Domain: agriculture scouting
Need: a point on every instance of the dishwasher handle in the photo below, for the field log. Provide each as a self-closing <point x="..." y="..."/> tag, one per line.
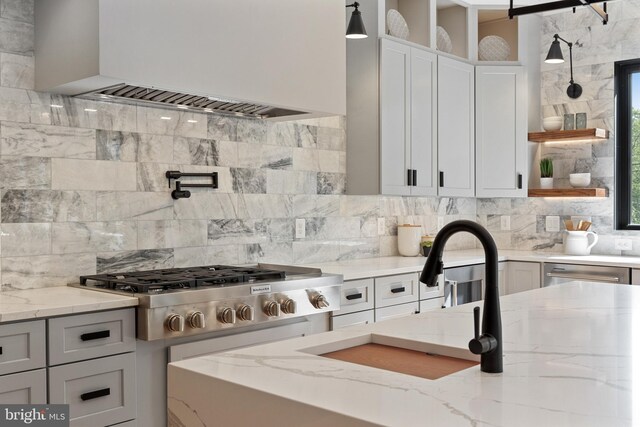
<point x="585" y="277"/>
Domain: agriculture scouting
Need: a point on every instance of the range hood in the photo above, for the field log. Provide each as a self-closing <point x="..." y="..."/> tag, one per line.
<point x="280" y="59"/>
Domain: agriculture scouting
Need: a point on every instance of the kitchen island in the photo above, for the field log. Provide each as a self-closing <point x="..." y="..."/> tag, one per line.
<point x="571" y="357"/>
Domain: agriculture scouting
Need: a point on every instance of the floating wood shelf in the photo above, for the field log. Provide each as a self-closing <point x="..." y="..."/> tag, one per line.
<point x="593" y="134"/>
<point x="568" y="192"/>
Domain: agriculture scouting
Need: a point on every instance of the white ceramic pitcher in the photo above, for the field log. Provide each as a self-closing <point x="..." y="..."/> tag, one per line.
<point x="577" y="242"/>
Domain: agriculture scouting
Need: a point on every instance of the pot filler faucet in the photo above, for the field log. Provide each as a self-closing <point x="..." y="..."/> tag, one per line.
<point x="489" y="344"/>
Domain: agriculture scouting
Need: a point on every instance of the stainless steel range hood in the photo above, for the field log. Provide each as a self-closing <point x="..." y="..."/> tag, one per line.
<point x="279" y="59"/>
<point x="139" y="95"/>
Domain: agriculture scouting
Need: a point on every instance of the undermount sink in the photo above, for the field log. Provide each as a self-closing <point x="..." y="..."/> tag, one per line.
<point x="424" y="360"/>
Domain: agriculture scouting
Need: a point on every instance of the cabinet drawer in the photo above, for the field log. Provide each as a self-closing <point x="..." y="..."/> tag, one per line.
<point x="356" y="295"/>
<point x="435" y="292"/>
<point x="392" y="312"/>
<point x="88" y="336"/>
<point x="393" y="290"/>
<point x="353" y="319"/>
<point x="25" y="388"/>
<point x="431" y="304"/>
<point x="22" y="346"/>
<point x="99" y="392"/>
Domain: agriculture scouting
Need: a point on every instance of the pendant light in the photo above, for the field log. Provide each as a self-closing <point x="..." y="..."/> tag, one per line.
<point x="355" y="29"/>
<point x="555" y="57"/>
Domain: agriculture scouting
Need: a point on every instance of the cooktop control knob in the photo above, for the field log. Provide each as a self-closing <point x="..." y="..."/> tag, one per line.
<point x="288" y="306"/>
<point x="245" y="312"/>
<point x="175" y="323"/>
<point x="227" y="315"/>
<point x="319" y="301"/>
<point x="196" y="320"/>
<point x="272" y="309"/>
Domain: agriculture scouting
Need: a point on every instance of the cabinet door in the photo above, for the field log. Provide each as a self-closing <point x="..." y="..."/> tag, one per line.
<point x="456" y="128"/>
<point x="395" y="311"/>
<point x="397" y="289"/>
<point x="395" y="82"/>
<point x="25" y="388"/>
<point x="501" y="134"/>
<point x="354" y="319"/>
<point x="522" y="276"/>
<point x="424" y="89"/>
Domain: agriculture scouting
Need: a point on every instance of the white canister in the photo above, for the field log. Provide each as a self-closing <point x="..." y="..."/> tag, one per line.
<point x="409" y="239"/>
<point x="577" y="242"/>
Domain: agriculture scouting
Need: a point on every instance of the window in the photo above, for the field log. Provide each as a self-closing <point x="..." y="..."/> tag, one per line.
<point x="627" y="83"/>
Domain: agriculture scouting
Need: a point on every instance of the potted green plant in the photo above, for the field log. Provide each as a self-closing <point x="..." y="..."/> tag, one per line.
<point x="426" y="246"/>
<point x="546" y="173"/>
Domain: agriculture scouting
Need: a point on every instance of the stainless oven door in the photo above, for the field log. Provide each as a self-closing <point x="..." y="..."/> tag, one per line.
<point x="463" y="285"/>
<point x="555" y="274"/>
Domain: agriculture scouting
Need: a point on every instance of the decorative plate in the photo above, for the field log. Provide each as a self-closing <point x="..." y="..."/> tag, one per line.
<point x="443" y="41"/>
<point x="397" y="25"/>
<point x="493" y="48"/>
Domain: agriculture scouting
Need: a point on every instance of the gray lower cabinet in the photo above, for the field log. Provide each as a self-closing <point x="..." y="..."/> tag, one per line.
<point x="86" y="336"/>
<point x="99" y="392"/>
<point x="22" y="346"/>
<point x="91" y="365"/>
<point x="24" y="388"/>
<point x="23" y="379"/>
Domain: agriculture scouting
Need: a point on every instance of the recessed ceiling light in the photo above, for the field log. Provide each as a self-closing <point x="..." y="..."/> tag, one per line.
<point x="192" y="121"/>
<point x="183" y="107"/>
<point x="105" y="96"/>
<point x="208" y="110"/>
<point x="165" y="118"/>
<point x="56" y="106"/>
<point x="90" y="110"/>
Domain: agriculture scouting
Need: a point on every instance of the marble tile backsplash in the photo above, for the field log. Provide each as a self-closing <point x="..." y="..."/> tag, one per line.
<point x="83" y="190"/>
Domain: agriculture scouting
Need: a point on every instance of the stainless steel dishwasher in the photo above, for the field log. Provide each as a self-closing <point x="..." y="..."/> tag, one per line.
<point x="555" y="274"/>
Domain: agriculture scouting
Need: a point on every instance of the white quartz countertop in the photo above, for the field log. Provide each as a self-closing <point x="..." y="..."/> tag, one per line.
<point x="385" y="266"/>
<point x="571" y="358"/>
<point x="56" y="301"/>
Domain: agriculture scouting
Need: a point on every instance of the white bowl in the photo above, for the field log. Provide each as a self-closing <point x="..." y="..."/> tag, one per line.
<point x="580" y="179"/>
<point x="552" y="123"/>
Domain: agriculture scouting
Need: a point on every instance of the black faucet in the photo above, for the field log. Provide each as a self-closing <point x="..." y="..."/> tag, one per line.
<point x="489" y="344"/>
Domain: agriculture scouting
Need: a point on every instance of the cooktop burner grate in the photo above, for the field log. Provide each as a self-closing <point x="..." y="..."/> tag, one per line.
<point x="178" y="279"/>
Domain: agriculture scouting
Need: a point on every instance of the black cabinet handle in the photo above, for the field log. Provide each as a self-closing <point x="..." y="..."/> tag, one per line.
<point x="95" y="335"/>
<point x="0" y="350"/>
<point x="95" y="394"/>
<point x="354" y="296"/>
<point x="519" y="181"/>
<point x="441" y="179"/>
<point x="397" y="290"/>
<point x="409" y="178"/>
<point x="415" y="178"/>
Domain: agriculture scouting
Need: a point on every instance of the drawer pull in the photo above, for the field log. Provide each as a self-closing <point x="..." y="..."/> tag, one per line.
<point x="354" y="296"/>
<point x="95" y="394"/>
<point x="397" y="290"/>
<point x="95" y="335"/>
<point x="0" y="350"/>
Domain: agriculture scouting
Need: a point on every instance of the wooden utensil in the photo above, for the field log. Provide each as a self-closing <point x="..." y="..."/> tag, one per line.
<point x="568" y="224"/>
<point x="585" y="225"/>
<point x="580" y="225"/>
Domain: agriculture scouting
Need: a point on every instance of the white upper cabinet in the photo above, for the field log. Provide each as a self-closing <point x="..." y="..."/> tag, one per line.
<point x="395" y="107"/>
<point x="424" y="135"/>
<point x="408" y="90"/>
<point x="456" y="117"/>
<point x="501" y="131"/>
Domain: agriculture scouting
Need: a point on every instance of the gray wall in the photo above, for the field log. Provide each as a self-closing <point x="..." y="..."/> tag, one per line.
<point x="83" y="191"/>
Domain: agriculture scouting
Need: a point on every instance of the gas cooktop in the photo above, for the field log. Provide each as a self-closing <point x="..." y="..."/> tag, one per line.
<point x="179" y="279"/>
<point x="179" y="302"/>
